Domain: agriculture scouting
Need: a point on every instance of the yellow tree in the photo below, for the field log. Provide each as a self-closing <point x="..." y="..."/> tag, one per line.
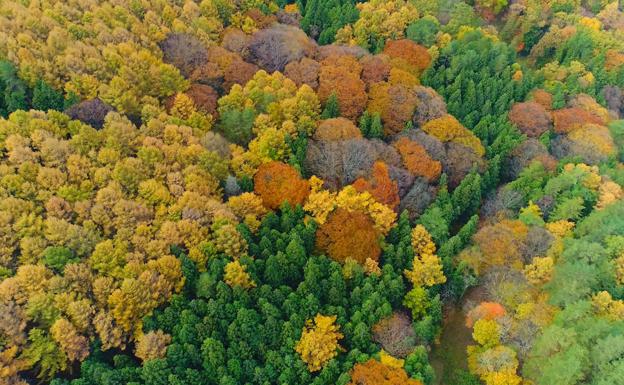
<point x="426" y="266"/>
<point x="319" y="341"/>
<point x="235" y="275"/>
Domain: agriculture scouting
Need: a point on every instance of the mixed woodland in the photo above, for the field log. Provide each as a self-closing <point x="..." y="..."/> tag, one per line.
<point x="294" y="192"/>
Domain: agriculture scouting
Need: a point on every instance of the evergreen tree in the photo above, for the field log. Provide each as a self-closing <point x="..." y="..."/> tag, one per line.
<point x="332" y="107"/>
<point x="365" y="123"/>
<point x="46" y="98"/>
<point x="376" y="128"/>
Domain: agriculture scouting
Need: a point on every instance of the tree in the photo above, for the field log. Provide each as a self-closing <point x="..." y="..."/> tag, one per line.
<point x="346" y="85"/>
<point x="92" y="112"/>
<point x="46" y="98"/>
<point x="426" y="267"/>
<point x="336" y="129"/>
<point x="568" y="119"/>
<point x="349" y="234"/>
<point x="531" y="118"/>
<point x="319" y="342"/>
<point x="45" y="354"/>
<point x="418" y="302"/>
<point x="448" y="129"/>
<point x="395" y="103"/>
<point x="416" y="159"/>
<point x="152" y="345"/>
<point x="186" y="52"/>
<point x="373" y="372"/>
<point x="235" y="275"/>
<point x="276" y="182"/>
<point x="380" y="186"/>
<point x="75" y="346"/>
<point x="378" y="22"/>
<point x="423" y="31"/>
<point x="408" y="55"/>
<point x="332" y="108"/>
<point x="273" y="48"/>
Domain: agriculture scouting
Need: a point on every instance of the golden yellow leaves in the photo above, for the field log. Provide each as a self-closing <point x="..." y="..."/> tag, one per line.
<point x="319" y="341"/>
<point x="235" y="275"/>
<point x="426" y="266"/>
<point x="322" y="202"/>
<point x="540" y="270"/>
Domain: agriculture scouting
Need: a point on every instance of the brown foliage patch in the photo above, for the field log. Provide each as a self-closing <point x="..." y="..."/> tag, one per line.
<point x="395" y="334"/>
<point x="531" y="118"/>
<point x="570" y="119"/>
<point x="337" y="129"/>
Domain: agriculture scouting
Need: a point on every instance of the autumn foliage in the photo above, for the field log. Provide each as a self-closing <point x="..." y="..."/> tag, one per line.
<point x="416" y="159"/>
<point x="449" y="129"/>
<point x="346" y="84"/>
<point x="373" y="372"/>
<point x="531" y="118"/>
<point x="380" y="186"/>
<point x="336" y="129"/>
<point x="408" y="55"/>
<point x="349" y="234"/>
<point x="276" y="183"/>
<point x="568" y="119"/>
<point x="319" y="341"/>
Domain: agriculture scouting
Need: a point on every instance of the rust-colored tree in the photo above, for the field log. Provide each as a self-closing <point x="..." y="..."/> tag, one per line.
<point x="373" y="372"/>
<point x="569" y="119"/>
<point x="380" y="186"/>
<point x="408" y="55"/>
<point x="277" y="183"/>
<point x="348" y="87"/>
<point x="349" y="234"/>
<point x="531" y="118"/>
<point x="416" y="159"/>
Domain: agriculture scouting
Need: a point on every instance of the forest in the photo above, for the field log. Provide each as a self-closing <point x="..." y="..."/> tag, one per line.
<point x="312" y="192"/>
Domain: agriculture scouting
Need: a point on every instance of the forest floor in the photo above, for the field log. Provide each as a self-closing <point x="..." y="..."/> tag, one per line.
<point x="448" y="357"/>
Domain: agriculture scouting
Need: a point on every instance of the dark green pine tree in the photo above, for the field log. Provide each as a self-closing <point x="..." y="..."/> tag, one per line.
<point x="46" y="98"/>
<point x="332" y="107"/>
<point x="13" y="89"/>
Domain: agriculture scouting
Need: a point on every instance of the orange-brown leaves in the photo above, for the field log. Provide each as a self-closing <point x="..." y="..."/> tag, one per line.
<point x="304" y="71"/>
<point x="349" y="234"/>
<point x="395" y="104"/>
<point x="485" y="310"/>
<point x="416" y="159"/>
<point x="380" y="186"/>
<point x="569" y="119"/>
<point x="375" y="68"/>
<point x="343" y="79"/>
<point x="531" y="118"/>
<point x="543" y="98"/>
<point x="373" y="372"/>
<point x="277" y="182"/>
<point x="337" y="129"/>
<point x="408" y="55"/>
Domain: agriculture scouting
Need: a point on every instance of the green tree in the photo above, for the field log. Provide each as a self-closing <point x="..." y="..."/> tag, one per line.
<point x="332" y="107"/>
